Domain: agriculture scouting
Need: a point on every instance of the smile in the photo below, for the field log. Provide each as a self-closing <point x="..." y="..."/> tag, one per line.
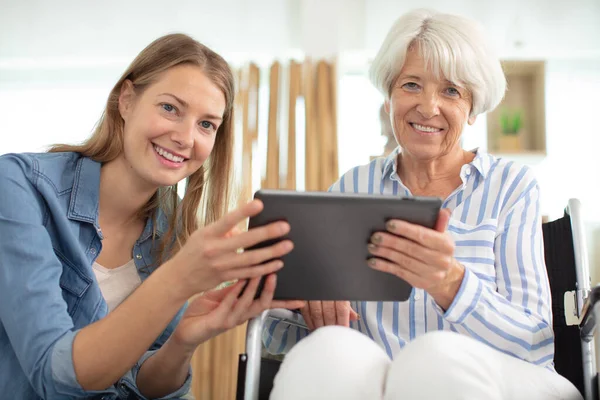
<point x="169" y="156"/>
<point x="426" y="130"/>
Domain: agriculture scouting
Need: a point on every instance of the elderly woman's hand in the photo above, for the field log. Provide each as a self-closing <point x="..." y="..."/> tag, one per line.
<point x="322" y="313"/>
<point x="421" y="256"/>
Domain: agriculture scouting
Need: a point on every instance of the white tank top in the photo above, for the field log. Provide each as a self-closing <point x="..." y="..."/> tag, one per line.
<point x="117" y="284"/>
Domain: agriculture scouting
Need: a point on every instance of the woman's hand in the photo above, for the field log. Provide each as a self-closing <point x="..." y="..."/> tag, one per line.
<point x="213" y="255"/>
<point x="217" y="311"/>
<point x="422" y="257"/>
<point x="322" y="313"/>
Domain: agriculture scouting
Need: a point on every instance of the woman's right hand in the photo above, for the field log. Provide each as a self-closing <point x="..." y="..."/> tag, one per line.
<point x="322" y="313"/>
<point x="212" y="254"/>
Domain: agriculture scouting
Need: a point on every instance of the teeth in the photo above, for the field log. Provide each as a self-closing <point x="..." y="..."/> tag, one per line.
<point x="425" y="128"/>
<point x="168" y="155"/>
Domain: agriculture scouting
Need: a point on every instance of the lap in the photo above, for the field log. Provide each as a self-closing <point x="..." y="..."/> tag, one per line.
<point x="335" y="362"/>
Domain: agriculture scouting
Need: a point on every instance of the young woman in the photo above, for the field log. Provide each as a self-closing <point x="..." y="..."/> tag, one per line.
<point x="99" y="256"/>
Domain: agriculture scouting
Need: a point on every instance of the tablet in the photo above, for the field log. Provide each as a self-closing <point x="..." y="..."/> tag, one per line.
<point x="330" y="232"/>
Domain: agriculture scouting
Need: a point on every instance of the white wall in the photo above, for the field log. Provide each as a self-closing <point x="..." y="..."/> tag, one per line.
<point x="59" y="59"/>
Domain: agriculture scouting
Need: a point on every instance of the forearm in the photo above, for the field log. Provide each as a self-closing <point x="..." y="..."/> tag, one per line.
<point x="489" y="317"/>
<point x="165" y="372"/>
<point x="105" y="350"/>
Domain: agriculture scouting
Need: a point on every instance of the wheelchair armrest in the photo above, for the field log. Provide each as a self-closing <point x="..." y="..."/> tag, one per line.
<point x="591" y="312"/>
<point x="288" y="316"/>
<point x="254" y="345"/>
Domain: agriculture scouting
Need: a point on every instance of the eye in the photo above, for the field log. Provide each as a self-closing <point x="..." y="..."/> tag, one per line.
<point x="452" y="91"/>
<point x="208" y="125"/>
<point x="410" y="86"/>
<point x="170" y="108"/>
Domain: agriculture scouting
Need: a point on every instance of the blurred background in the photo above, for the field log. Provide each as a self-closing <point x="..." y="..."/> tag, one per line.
<point x="306" y="111"/>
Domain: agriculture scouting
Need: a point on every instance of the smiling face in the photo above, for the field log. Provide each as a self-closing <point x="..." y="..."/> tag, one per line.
<point x="171" y="126"/>
<point x="428" y="114"/>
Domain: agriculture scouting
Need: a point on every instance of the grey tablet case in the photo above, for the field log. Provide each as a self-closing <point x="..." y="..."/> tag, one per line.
<point x="330" y="232"/>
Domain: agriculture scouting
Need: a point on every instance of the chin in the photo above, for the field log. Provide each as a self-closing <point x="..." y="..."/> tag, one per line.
<point x="162" y="181"/>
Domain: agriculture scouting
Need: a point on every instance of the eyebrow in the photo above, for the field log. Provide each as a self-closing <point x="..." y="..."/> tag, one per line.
<point x="413" y="77"/>
<point x="186" y="105"/>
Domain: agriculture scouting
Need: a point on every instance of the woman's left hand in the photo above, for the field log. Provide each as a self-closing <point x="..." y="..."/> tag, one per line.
<point x="421" y="256"/>
<point x="217" y="311"/>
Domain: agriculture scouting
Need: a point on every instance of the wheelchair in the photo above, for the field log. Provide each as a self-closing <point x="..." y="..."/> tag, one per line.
<point x="575" y="309"/>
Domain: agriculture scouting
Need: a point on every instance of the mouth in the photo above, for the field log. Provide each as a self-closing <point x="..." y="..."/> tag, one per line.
<point x="426" y="130"/>
<point x="168" y="158"/>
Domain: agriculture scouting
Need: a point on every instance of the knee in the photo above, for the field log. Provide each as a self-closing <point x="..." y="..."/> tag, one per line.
<point x="441" y="361"/>
<point x="333" y="343"/>
<point x="441" y="346"/>
<point x="333" y="362"/>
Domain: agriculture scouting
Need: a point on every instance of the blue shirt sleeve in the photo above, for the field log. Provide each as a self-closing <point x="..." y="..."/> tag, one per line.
<point x="32" y="309"/>
<point x="33" y="312"/>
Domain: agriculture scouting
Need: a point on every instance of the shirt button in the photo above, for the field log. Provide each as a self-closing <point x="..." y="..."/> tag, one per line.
<point x="417" y="297"/>
<point x="93" y="251"/>
<point x="468" y="170"/>
<point x="138" y="256"/>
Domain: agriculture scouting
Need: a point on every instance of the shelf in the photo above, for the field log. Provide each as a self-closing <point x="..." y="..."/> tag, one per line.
<point x="525" y="97"/>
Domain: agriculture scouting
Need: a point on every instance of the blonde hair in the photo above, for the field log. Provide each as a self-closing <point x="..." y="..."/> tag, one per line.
<point x="450" y="44"/>
<point x="209" y="187"/>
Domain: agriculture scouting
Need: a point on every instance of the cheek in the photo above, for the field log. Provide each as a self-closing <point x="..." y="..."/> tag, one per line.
<point x="203" y="146"/>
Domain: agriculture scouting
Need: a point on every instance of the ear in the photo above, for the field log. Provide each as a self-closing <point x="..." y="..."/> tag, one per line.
<point x="386" y="105"/>
<point x="472" y="119"/>
<point x="126" y="99"/>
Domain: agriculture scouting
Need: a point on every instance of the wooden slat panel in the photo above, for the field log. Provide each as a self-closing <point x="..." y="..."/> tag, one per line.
<point x="334" y="136"/>
<point x="271" y="180"/>
<point x="311" y="117"/>
<point x="215" y="365"/>
<point x="324" y="124"/>
<point x="249" y="105"/>
<point x="294" y="91"/>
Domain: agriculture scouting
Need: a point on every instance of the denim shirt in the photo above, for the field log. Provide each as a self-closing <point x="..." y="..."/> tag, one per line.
<point x="49" y="239"/>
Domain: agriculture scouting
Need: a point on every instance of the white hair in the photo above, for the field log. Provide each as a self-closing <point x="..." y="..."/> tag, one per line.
<point x="452" y="44"/>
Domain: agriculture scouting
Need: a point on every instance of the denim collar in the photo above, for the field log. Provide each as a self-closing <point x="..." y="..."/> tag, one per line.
<point x="85" y="198"/>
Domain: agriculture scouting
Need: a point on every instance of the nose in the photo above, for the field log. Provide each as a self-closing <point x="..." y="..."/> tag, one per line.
<point x="428" y="105"/>
<point x="183" y="135"/>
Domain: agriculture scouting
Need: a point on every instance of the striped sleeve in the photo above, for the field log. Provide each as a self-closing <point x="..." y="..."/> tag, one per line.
<point x="516" y="318"/>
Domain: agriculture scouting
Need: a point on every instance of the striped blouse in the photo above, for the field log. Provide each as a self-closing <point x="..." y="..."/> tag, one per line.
<point x="504" y="298"/>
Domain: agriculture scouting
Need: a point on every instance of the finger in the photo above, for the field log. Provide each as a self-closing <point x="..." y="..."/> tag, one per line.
<point x="402" y="260"/>
<point x="224" y="309"/>
<point x="305" y="311"/>
<point x="316" y="313"/>
<point x="200" y="306"/>
<point x="390" y="244"/>
<point x="393" y="269"/>
<point x="234" y="232"/>
<point x="354" y="315"/>
<point x="329" y="313"/>
<point x="342" y="311"/>
<point x="253" y="257"/>
<point x="266" y="297"/>
<point x="419" y="234"/>
<point x="233" y="218"/>
<point x="253" y="271"/>
<point x="443" y="219"/>
<point x="219" y="294"/>
<point x="288" y="304"/>
<point x="244" y="303"/>
<point x="258" y="235"/>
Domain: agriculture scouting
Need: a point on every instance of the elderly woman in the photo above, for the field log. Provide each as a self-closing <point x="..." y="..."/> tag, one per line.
<point x="478" y="324"/>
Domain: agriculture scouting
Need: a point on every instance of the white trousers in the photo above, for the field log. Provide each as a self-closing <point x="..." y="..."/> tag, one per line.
<point x="340" y="363"/>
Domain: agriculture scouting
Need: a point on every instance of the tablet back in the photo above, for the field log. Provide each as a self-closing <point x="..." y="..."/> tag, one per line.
<point x="330" y="232"/>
